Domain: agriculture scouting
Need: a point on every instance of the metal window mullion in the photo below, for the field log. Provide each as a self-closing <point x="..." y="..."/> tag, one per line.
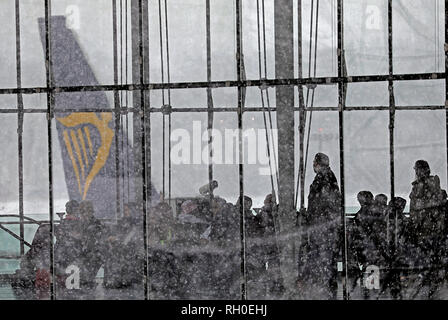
<point x="147" y="97"/>
<point x="117" y="113"/>
<point x="19" y="126"/>
<point x="391" y="101"/>
<point x="446" y="78"/>
<point x="232" y="83"/>
<point x="169" y="96"/>
<point x="232" y="109"/>
<point x="302" y="110"/>
<point x="143" y="150"/>
<point x="240" y="143"/>
<point x="391" y="118"/>
<point x="341" y="94"/>
<point x="15" y="236"/>
<point x="49" y="91"/>
<point x="209" y="94"/>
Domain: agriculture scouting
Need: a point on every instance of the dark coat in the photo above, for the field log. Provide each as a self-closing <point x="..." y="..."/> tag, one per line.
<point x="324" y="199"/>
<point x="427" y="218"/>
<point x="38" y="256"/>
<point x="68" y="247"/>
<point x="124" y="253"/>
<point x="355" y="239"/>
<point x="373" y="234"/>
<point x="321" y="223"/>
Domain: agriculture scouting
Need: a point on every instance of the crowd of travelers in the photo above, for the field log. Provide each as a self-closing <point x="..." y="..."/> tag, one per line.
<point x="194" y="250"/>
<point x="194" y="245"/>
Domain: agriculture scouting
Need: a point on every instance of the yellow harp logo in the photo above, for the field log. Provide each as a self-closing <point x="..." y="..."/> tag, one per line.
<point x="82" y="134"/>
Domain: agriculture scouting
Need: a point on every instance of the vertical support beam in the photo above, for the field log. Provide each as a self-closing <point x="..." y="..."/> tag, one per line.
<point x="284" y="69"/>
<point x="142" y="65"/>
<point x="141" y="120"/>
<point x="19" y="126"/>
<point x="168" y="75"/>
<point x="341" y="98"/>
<point x="116" y="107"/>
<point x="391" y="116"/>
<point x="209" y="94"/>
<point x="302" y="112"/>
<point x="146" y="98"/>
<point x="136" y="74"/>
<point x="391" y="100"/>
<point x="50" y="114"/>
<point x="239" y="69"/>
<point x="446" y="77"/>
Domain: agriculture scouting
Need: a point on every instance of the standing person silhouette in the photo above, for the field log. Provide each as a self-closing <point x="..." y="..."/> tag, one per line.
<point x="321" y="223"/>
<point x="427" y="221"/>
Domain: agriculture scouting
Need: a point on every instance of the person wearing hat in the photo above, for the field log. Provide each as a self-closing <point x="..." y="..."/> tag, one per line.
<point x="321" y="222"/>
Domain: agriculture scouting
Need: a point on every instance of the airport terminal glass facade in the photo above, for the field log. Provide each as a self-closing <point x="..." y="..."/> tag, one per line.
<point x="153" y="118"/>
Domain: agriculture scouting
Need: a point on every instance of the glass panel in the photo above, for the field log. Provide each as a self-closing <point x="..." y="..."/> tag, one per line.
<point x="194" y="237"/>
<point x="35" y="101"/>
<point x="9" y="168"/>
<point x="261" y="185"/>
<point x="421" y="135"/>
<point x="250" y="38"/>
<point x="8" y="48"/>
<point x="80" y="45"/>
<point x="324" y="137"/>
<point x="201" y="226"/>
<point x="319" y="256"/>
<point x="187" y="41"/>
<point x="225" y="231"/>
<point x="225" y="97"/>
<point x="325" y="61"/>
<point x="367" y="94"/>
<point x="418" y="36"/>
<point x="32" y="51"/>
<point x="324" y="96"/>
<point x="222" y="34"/>
<point x="225" y="168"/>
<point x="99" y="252"/>
<point x="366" y="154"/>
<point x="8" y="101"/>
<point x="10" y="233"/>
<point x="35" y="173"/>
<point x="180" y="98"/>
<point x="367" y="181"/>
<point x="420" y="93"/>
<point x="365" y="37"/>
